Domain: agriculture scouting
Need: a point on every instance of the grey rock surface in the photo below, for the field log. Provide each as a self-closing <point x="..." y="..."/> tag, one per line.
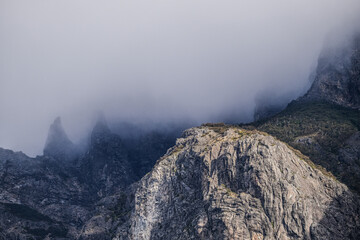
<point x="82" y="196"/>
<point x="39" y="198"/>
<point x="106" y="165"/>
<point x="239" y="184"/>
<point x="337" y="78"/>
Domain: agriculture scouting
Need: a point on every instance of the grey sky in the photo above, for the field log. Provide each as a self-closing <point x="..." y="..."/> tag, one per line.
<point x="155" y="60"/>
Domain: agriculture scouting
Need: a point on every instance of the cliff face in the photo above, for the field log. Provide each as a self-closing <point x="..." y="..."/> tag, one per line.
<point x="39" y="197"/>
<point x="217" y="182"/>
<point x="239" y="184"/>
<point x="60" y="195"/>
<point x="336" y="81"/>
<point x="106" y="166"/>
<point x="337" y="78"/>
<point x="324" y="124"/>
<point x="325" y="132"/>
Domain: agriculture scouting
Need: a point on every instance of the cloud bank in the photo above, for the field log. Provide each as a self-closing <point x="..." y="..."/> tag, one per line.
<point x="157" y="60"/>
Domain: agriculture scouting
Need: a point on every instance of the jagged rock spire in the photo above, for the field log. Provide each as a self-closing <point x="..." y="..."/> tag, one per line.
<point x="101" y="129"/>
<point x="58" y="145"/>
<point x="101" y="124"/>
<point x="106" y="163"/>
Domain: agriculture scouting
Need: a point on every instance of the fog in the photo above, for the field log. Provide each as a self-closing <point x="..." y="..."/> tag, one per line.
<point x="154" y="61"/>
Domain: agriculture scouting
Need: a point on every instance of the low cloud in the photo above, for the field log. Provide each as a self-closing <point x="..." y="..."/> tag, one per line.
<point x="159" y="61"/>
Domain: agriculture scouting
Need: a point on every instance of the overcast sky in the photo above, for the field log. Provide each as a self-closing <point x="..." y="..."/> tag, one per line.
<point x="154" y="60"/>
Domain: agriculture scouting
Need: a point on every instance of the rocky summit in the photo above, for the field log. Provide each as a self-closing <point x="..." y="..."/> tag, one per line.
<point x="58" y="145"/>
<point x="230" y="183"/>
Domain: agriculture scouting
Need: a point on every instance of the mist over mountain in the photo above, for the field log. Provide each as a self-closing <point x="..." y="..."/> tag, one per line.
<point x="155" y="61"/>
<point x="179" y="120"/>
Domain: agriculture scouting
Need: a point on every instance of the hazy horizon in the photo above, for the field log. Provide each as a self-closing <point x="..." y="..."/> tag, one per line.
<point x="156" y="61"/>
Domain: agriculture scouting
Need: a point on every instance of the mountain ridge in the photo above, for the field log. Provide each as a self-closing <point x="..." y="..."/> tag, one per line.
<point x="207" y="184"/>
<point x="282" y="177"/>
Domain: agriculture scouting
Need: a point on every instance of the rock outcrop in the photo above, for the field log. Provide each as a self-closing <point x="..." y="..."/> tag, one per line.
<point x="58" y="145"/>
<point x="106" y="166"/>
<point x="337" y="77"/>
<point x="62" y="195"/>
<point x="39" y="197"/>
<point x="325" y="132"/>
<point x="219" y="183"/>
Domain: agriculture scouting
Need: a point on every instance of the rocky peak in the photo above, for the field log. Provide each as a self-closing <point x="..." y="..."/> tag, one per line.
<point x="106" y="165"/>
<point x="337" y="78"/>
<point x="58" y="145"/>
<point x="229" y="183"/>
<point x="101" y="131"/>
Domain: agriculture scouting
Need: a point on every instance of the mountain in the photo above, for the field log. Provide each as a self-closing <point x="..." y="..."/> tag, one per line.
<point x="106" y="166"/>
<point x="324" y="124"/>
<point x="39" y="197"/>
<point x="58" y="145"/>
<point x="337" y="78"/>
<point x="226" y="182"/>
<point x="327" y="133"/>
<point x="336" y="81"/>
<point x="292" y="175"/>
<point x="222" y="182"/>
<point x="55" y="195"/>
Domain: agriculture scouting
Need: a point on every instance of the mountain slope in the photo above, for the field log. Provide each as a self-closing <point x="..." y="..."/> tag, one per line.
<point x="229" y="183"/>
<point x="324" y="124"/>
<point x="325" y="132"/>
<point x="337" y="77"/>
<point x="106" y="166"/>
<point x="335" y="81"/>
<point x="38" y="198"/>
<point x="58" y="195"/>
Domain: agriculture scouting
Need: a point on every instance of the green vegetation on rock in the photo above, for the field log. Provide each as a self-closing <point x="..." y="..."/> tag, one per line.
<point x="319" y="130"/>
